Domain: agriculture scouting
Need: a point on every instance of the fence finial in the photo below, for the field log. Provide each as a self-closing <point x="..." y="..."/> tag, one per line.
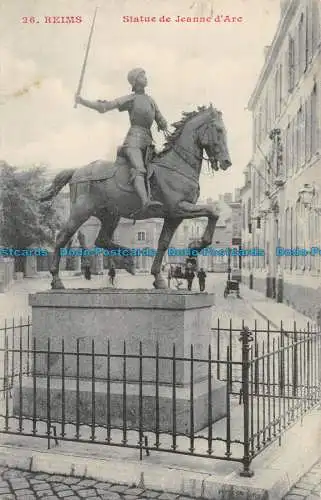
<point x="246" y="335"/>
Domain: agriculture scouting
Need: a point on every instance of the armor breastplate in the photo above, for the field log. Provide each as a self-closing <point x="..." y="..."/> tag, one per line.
<point x="142" y="113"/>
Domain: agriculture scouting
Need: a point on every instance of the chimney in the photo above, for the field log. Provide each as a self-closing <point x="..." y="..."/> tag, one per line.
<point x="237" y="194"/>
<point x="283" y="6"/>
<point x="227" y="197"/>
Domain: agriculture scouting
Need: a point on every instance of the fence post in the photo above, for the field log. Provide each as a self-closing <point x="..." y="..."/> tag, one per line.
<point x="246" y="337"/>
<point x="295" y="362"/>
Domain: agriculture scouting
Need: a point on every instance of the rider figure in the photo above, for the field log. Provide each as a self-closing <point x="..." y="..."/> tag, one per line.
<point x="142" y="111"/>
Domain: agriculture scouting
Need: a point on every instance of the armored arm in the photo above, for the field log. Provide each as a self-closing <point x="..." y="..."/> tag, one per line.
<point x="104" y="106"/>
<point x="100" y="106"/>
<point x="159" y="119"/>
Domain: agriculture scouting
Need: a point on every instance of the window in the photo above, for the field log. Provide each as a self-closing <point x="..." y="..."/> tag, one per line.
<point x="296" y="236"/>
<point x="308" y="129"/>
<point x="297" y="73"/>
<point x="243" y="217"/>
<point x="141" y="236"/>
<point x="291" y="67"/>
<point x="297" y="140"/>
<point x="291" y="237"/>
<point x="286" y="163"/>
<point x="301" y="46"/>
<point x="276" y="93"/>
<point x="308" y="36"/>
<point x="292" y="145"/>
<point x="280" y="87"/>
<point x="286" y="235"/>
<point x="249" y="215"/>
<point x="268" y="112"/>
<point x="254" y="133"/>
<point x="266" y="115"/>
<point x="302" y="136"/>
<point x="317" y="223"/>
<point x="315" y="25"/>
<point x="254" y="188"/>
<point x="314" y="121"/>
<point x="260" y="126"/>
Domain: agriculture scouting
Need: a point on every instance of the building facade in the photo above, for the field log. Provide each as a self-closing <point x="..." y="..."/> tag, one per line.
<point x="285" y="167"/>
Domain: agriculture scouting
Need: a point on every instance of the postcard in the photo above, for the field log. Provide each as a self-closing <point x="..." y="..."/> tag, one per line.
<point x="160" y="214"/>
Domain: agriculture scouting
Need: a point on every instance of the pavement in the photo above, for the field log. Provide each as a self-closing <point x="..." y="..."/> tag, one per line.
<point x="252" y="308"/>
<point x="20" y="485"/>
<point x="277" y="314"/>
<point x="309" y="486"/>
<point x="14" y="302"/>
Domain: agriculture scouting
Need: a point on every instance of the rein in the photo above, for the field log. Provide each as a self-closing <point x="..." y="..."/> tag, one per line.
<point x="184" y="154"/>
<point x="189" y="177"/>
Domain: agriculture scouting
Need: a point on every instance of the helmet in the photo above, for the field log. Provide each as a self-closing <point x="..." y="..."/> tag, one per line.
<point x="133" y="74"/>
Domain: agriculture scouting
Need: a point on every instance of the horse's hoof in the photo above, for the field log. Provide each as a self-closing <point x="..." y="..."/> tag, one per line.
<point x="160" y="284"/>
<point x="57" y="285"/>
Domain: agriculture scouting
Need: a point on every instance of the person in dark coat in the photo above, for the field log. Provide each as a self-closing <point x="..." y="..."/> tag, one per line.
<point x="189" y="275"/>
<point x="169" y="276"/>
<point x="201" y="279"/>
<point x="87" y="271"/>
<point x="112" y="274"/>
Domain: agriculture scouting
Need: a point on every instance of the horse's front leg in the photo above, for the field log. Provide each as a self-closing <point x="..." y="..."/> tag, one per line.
<point x="61" y="241"/>
<point x="189" y="211"/>
<point x="169" y="227"/>
<point x="79" y="214"/>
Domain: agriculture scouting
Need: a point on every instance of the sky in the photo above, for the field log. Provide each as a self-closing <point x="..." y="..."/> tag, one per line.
<point x="187" y="65"/>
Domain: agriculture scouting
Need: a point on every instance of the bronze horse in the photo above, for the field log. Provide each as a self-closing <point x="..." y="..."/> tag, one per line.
<point x="101" y="189"/>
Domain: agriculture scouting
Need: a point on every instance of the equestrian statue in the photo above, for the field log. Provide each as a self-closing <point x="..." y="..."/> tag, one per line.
<point x="142" y="184"/>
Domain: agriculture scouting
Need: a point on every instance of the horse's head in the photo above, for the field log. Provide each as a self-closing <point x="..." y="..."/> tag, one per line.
<point x="202" y="129"/>
<point x="212" y="138"/>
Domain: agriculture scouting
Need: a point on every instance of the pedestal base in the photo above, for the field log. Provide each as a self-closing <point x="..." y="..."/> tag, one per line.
<point x="114" y="407"/>
<point x="142" y="340"/>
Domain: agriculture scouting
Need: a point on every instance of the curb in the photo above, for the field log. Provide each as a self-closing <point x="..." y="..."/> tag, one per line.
<point x="167" y="479"/>
<point x="263" y="316"/>
<point x="276" y="470"/>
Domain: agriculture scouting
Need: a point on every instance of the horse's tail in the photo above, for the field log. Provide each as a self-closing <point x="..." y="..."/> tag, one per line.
<point x="57" y="184"/>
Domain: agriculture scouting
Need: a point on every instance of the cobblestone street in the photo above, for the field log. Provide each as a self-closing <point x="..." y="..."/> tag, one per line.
<point x="15" y="484"/>
<point x="309" y="486"/>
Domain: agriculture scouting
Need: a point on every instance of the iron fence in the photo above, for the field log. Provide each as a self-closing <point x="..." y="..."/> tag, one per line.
<point x="230" y="403"/>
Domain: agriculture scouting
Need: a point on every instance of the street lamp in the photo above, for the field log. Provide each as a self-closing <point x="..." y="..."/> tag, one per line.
<point x="265" y="206"/>
<point x="306" y="196"/>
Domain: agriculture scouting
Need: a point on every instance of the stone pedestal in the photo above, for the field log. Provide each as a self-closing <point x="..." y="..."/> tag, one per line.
<point x="146" y="326"/>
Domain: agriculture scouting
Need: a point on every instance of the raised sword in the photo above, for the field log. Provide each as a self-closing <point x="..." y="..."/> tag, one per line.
<point x="83" y="69"/>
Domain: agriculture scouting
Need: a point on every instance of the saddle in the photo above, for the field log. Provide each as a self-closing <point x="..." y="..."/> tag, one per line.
<point x="100" y="170"/>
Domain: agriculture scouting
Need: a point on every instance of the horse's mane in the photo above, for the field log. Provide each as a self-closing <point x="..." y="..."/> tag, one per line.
<point x="172" y="138"/>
